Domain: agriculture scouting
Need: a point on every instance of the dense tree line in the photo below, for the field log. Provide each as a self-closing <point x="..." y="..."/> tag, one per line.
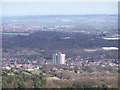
<point x="22" y="80"/>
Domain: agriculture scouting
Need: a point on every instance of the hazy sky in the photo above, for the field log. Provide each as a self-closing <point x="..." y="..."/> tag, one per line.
<point x="58" y="8"/>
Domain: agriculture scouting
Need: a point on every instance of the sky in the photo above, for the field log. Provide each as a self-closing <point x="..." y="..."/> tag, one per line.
<point x="58" y="8"/>
<point x="59" y="0"/>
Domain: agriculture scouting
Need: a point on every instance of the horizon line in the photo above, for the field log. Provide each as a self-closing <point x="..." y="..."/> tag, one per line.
<point x="56" y="15"/>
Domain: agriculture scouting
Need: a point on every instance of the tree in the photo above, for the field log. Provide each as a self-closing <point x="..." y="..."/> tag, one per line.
<point x="18" y="82"/>
<point x="38" y="81"/>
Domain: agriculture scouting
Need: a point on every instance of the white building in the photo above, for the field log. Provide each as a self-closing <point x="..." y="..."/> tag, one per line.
<point x="59" y="58"/>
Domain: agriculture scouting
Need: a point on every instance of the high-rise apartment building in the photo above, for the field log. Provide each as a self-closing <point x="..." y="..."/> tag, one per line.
<point x="59" y="58"/>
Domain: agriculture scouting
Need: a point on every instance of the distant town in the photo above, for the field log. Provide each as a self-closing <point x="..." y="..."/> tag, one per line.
<point x="58" y="59"/>
<point x="59" y="52"/>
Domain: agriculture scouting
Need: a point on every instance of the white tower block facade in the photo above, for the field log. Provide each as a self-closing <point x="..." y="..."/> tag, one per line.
<point x="62" y="59"/>
<point x="59" y="58"/>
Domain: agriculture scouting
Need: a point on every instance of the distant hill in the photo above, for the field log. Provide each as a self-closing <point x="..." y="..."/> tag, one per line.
<point x="45" y="43"/>
<point x="50" y="40"/>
